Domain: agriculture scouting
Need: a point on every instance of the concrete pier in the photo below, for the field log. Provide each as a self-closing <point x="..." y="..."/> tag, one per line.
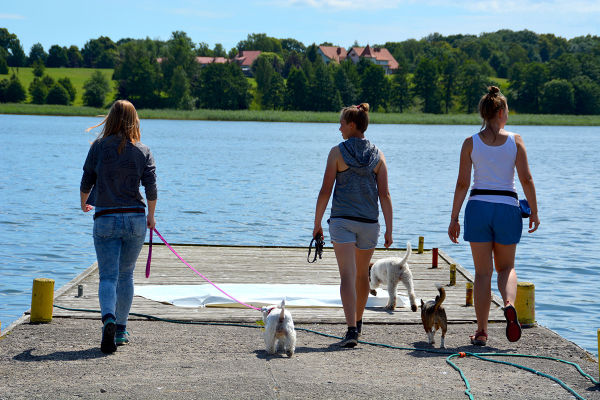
<point x="198" y="360"/>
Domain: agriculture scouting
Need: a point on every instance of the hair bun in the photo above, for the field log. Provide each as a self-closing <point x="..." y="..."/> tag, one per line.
<point x="492" y="90"/>
<point x="363" y="106"/>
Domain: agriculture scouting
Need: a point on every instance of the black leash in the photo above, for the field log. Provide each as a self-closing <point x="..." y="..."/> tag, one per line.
<point x="319" y="243"/>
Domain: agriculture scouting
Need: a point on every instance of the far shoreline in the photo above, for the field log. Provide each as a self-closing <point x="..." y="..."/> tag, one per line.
<point x="407" y="118"/>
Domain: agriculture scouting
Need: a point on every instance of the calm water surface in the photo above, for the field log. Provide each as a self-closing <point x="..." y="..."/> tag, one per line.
<point x="249" y="183"/>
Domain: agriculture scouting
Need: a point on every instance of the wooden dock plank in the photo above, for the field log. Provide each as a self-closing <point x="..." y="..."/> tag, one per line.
<point x="245" y="264"/>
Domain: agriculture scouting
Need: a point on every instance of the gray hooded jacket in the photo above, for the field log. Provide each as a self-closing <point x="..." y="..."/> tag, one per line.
<point x="355" y="195"/>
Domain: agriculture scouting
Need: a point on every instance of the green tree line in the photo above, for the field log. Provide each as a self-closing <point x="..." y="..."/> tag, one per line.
<point x="540" y="73"/>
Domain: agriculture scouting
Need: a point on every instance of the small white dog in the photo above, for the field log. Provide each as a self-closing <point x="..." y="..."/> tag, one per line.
<point x="279" y="329"/>
<point x="390" y="271"/>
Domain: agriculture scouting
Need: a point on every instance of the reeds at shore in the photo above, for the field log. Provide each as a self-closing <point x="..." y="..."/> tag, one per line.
<point x="302" y="116"/>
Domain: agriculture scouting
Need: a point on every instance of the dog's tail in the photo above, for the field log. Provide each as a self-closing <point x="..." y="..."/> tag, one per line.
<point x="282" y="313"/>
<point x="439" y="299"/>
<point x="408" y="251"/>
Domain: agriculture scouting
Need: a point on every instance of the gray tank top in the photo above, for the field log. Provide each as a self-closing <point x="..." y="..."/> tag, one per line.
<point x="355" y="195"/>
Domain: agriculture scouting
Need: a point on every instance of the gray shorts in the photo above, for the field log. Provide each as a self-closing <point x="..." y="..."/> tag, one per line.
<point x="364" y="234"/>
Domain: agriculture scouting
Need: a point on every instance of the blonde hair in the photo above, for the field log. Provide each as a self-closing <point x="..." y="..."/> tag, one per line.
<point x="490" y="104"/>
<point x="358" y="114"/>
<point x="122" y="120"/>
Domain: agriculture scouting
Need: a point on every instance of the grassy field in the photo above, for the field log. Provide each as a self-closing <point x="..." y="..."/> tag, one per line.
<point x="77" y="76"/>
<point x="304" y="116"/>
<point x="502" y="82"/>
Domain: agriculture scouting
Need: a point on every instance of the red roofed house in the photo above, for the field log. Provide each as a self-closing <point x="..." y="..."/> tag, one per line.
<point x="380" y="56"/>
<point x="332" y="53"/>
<point x="203" y="61"/>
<point x="245" y="58"/>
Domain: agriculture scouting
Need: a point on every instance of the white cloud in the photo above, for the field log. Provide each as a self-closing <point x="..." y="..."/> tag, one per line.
<point x="345" y="4"/>
<point x="486" y="6"/>
<point x="11" y="16"/>
<point x="540" y="6"/>
<point x="192" y="12"/>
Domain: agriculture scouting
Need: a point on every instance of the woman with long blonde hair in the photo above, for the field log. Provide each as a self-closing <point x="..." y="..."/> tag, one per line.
<point x="116" y="164"/>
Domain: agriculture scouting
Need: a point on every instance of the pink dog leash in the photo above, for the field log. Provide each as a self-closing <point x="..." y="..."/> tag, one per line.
<point x="190" y="267"/>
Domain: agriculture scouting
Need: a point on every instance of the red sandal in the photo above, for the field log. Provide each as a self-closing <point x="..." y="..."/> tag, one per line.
<point x="513" y="328"/>
<point x="479" y="334"/>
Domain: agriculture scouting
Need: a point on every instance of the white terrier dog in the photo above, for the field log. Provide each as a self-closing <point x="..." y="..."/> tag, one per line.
<point x="390" y="271"/>
<point x="279" y="329"/>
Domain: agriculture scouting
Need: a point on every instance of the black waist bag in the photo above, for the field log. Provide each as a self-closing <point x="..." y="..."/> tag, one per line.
<point x="523" y="204"/>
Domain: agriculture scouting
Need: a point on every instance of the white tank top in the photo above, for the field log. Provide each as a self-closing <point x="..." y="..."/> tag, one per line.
<point x="494" y="168"/>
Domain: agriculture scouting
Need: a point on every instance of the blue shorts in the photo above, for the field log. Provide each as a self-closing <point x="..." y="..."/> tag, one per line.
<point x="364" y="234"/>
<point x="492" y="222"/>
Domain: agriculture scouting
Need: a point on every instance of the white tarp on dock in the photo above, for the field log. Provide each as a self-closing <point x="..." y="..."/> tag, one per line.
<point x="296" y="295"/>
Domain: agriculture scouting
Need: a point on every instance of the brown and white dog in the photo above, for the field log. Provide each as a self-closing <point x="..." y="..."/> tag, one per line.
<point x="433" y="316"/>
<point x="390" y="271"/>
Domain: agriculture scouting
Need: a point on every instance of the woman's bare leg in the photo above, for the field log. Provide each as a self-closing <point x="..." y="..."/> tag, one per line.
<point x="346" y="260"/>
<point x="363" y="258"/>
<point x="504" y="261"/>
<point x="482" y="258"/>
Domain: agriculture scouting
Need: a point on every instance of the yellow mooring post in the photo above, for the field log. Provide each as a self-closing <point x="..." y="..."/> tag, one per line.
<point x="525" y="304"/>
<point x="452" y="274"/>
<point x="421" y="243"/>
<point x="42" y="297"/>
<point x="469" y="294"/>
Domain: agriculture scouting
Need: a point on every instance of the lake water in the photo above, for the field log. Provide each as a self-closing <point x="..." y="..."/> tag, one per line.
<point x="249" y="183"/>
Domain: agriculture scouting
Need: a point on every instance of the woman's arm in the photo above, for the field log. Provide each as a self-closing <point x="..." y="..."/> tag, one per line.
<point x="150" y="222"/>
<point x="385" y="199"/>
<point x="88" y="179"/>
<point x="148" y="178"/>
<point x="527" y="183"/>
<point x="326" y="188"/>
<point x="462" y="187"/>
<point x="83" y="200"/>
<point x="149" y="182"/>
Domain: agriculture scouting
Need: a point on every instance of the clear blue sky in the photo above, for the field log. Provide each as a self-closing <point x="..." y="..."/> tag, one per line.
<point x="340" y="22"/>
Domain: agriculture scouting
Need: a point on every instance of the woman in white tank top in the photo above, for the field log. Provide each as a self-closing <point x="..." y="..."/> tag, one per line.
<point x="492" y="218"/>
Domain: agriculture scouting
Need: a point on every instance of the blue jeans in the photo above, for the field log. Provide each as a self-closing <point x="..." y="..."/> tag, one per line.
<point x="118" y="239"/>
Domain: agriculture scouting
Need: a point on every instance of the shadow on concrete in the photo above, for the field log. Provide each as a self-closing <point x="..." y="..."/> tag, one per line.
<point x="595" y="388"/>
<point x="88" y="354"/>
<point x="263" y="355"/>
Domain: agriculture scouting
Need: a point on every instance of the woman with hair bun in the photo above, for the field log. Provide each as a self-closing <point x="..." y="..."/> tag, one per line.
<point x="116" y="164"/>
<point x="359" y="172"/>
<point x="492" y="219"/>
